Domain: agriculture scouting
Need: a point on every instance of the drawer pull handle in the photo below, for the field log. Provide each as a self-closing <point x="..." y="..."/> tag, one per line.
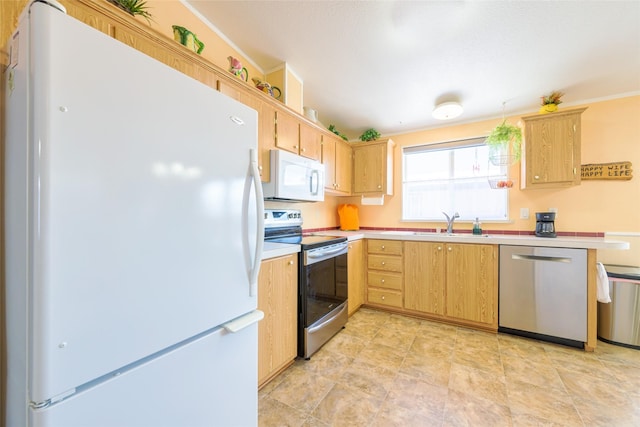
<point x="382" y="298"/>
<point x="382" y="247"/>
<point x="381" y="280"/>
<point x="383" y="263"/>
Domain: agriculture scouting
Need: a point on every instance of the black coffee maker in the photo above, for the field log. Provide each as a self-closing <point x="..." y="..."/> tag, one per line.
<point x="545" y="226"/>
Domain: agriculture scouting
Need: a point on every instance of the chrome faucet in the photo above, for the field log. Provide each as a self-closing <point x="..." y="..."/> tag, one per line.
<point x="450" y="221"/>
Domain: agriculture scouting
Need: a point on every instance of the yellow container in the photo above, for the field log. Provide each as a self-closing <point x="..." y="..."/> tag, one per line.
<point x="348" y="217"/>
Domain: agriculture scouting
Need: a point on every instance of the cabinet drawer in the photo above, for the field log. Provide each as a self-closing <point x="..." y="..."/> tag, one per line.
<point x="384" y="297"/>
<point x="385" y="263"/>
<point x="384" y="280"/>
<point x="392" y="247"/>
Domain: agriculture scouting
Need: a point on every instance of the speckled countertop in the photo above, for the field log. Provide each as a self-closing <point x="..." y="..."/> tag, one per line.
<point x="492" y="239"/>
<point x="272" y="250"/>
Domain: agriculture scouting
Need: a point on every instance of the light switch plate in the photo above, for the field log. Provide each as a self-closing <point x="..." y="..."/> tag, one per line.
<point x="524" y="213"/>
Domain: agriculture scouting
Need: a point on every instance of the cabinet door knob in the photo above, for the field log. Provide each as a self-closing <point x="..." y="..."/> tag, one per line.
<point x="295" y="146"/>
<point x="379" y="186"/>
<point x="536" y="177"/>
<point x="381" y="280"/>
<point x="303" y="149"/>
<point x="291" y="262"/>
<point x="382" y="297"/>
<point x="382" y="247"/>
<point x="382" y="263"/>
<point x="450" y="248"/>
<point x="439" y="248"/>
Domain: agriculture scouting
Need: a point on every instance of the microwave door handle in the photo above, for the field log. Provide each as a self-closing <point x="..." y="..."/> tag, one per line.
<point x="317" y="181"/>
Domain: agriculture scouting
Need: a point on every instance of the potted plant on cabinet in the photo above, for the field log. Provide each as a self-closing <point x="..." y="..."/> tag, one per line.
<point x="370" y="135"/>
<point x="133" y="7"/>
<point x="550" y="102"/>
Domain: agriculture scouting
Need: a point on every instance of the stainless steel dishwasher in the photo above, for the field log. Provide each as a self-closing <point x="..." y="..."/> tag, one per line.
<point x="543" y="293"/>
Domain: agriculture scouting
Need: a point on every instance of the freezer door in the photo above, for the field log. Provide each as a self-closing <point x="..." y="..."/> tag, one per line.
<point x="182" y="388"/>
<point x="143" y="212"/>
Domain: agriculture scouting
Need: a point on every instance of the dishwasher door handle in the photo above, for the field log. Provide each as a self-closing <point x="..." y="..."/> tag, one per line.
<point x="541" y="258"/>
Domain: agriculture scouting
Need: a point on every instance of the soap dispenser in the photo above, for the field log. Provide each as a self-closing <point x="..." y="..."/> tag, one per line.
<point x="476" y="227"/>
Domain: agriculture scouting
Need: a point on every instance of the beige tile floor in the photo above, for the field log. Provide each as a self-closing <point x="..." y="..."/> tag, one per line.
<point x="391" y="370"/>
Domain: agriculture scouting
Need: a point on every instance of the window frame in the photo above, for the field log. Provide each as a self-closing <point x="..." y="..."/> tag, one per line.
<point x="504" y="170"/>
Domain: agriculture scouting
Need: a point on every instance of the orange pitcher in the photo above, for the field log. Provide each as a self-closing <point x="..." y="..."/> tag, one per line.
<point x="348" y="217"/>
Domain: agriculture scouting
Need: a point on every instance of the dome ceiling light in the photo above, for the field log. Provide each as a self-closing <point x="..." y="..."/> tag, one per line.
<point x="447" y="110"/>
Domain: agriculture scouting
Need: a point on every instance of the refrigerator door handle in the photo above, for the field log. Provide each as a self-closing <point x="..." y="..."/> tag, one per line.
<point x="255" y="174"/>
<point x="242" y="322"/>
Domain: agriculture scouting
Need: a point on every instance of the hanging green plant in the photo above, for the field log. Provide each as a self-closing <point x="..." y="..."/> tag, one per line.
<point x="370" y="135"/>
<point x="133" y="7"/>
<point x="505" y="140"/>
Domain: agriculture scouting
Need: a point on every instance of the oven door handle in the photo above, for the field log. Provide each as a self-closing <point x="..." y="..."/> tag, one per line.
<point x="329" y="320"/>
<point x="319" y="254"/>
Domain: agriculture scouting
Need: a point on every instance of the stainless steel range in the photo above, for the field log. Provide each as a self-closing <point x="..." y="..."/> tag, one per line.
<point x="322" y="279"/>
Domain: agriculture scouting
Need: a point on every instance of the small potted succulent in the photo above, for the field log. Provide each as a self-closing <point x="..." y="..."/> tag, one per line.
<point x="550" y="102"/>
<point x="370" y="135"/>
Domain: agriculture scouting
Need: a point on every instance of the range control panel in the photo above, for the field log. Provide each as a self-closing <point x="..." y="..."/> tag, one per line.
<point x="282" y="217"/>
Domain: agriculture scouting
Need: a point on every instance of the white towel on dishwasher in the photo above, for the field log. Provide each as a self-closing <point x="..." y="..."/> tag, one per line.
<point x="603" y="284"/>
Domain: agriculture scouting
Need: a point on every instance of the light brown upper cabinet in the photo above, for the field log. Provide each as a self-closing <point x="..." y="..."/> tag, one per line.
<point x="551" y="155"/>
<point x="373" y="167"/>
<point x="310" y="142"/>
<point x="336" y="157"/>
<point x="297" y="137"/>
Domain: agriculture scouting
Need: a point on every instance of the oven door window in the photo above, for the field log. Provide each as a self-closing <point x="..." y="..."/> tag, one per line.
<point x="325" y="287"/>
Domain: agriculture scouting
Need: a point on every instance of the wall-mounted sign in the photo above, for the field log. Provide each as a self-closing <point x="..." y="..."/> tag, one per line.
<point x="616" y="170"/>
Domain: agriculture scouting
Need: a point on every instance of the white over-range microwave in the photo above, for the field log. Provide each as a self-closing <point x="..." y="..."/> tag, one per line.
<point x="294" y="178"/>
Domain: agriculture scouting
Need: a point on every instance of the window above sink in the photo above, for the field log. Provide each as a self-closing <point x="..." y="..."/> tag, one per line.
<point x="452" y="176"/>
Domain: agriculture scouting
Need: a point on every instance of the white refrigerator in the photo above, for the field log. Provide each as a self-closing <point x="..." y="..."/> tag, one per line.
<point x="133" y="237"/>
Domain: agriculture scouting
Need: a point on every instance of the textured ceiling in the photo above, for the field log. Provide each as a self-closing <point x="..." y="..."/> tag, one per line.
<point x="385" y="64"/>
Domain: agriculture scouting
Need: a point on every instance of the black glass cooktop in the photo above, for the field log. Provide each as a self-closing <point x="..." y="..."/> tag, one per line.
<point x="307" y="242"/>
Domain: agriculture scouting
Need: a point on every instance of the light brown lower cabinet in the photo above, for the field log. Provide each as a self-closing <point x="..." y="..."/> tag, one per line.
<point x="384" y="273"/>
<point x="455" y="282"/>
<point x="472" y="283"/>
<point x="355" y="272"/>
<point x="277" y="332"/>
<point x="424" y="277"/>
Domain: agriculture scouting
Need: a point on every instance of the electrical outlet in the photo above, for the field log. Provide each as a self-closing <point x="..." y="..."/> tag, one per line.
<point x="524" y="213"/>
